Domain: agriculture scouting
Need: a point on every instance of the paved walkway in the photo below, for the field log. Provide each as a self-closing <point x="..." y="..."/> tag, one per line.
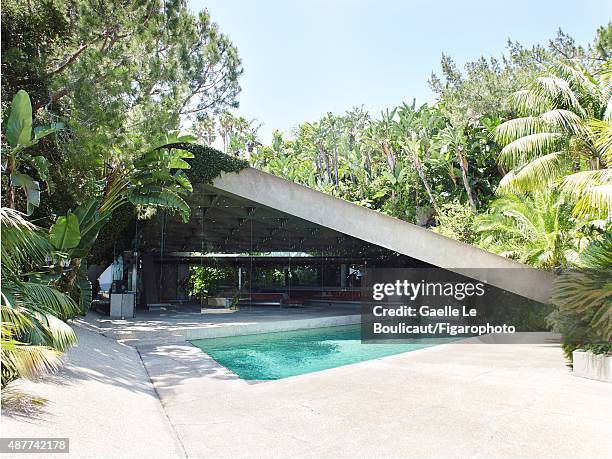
<point x="454" y="400"/>
<point x="102" y="400"/>
<point x="188" y="323"/>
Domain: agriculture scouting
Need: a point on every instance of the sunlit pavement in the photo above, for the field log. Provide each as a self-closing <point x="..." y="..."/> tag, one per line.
<point x="453" y="400"/>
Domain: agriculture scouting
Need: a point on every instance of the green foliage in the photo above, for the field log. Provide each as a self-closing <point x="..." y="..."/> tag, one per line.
<point x="585" y="295"/>
<point x="553" y="144"/>
<point x="154" y="179"/>
<point x="583" y="301"/>
<point x="204" y="280"/>
<point x="208" y="163"/>
<point x="118" y="74"/>
<point x="402" y="163"/>
<point x="33" y="313"/>
<point x="456" y="220"/>
<point x="238" y="135"/>
<point x="19" y="124"/>
<point x="534" y="229"/>
<point x="65" y="233"/>
<point x="483" y="88"/>
<point x="18" y="134"/>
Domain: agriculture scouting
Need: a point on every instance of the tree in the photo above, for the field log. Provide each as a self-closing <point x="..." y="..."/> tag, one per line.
<point x="142" y="53"/>
<point x="483" y="89"/>
<point x="553" y="142"/>
<point x="453" y="139"/>
<point x="118" y="73"/>
<point x="33" y="313"/>
<point x="587" y="293"/>
<point x="153" y="179"/>
<point x="534" y="229"/>
<point x="205" y="129"/>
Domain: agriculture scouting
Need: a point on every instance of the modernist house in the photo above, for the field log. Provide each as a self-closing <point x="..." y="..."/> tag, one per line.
<point x="285" y="244"/>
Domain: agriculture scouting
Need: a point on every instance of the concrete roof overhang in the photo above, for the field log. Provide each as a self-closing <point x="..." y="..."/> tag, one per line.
<point x="253" y="211"/>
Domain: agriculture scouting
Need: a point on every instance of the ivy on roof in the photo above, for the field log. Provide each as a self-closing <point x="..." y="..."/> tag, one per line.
<point x="208" y="163"/>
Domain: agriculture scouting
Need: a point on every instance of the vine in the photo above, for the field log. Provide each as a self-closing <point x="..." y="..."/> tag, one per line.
<point x="209" y="163"/>
<point x="206" y="165"/>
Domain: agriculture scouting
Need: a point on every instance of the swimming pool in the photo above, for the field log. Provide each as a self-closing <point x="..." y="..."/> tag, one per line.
<point x="282" y="354"/>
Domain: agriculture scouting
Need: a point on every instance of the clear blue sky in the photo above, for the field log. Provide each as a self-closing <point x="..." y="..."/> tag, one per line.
<point x="305" y="58"/>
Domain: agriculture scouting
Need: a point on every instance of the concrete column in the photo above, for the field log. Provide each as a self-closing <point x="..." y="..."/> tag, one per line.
<point x="343" y="275"/>
<point x="183" y="273"/>
<point x="149" y="293"/>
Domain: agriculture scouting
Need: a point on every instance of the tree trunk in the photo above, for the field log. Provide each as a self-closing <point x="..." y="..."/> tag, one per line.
<point x="11" y="189"/>
<point x="336" y="178"/>
<point x="325" y="159"/>
<point x="419" y="168"/>
<point x="463" y="164"/>
<point x="11" y="196"/>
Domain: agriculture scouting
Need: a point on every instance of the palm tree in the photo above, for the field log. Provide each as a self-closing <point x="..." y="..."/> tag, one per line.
<point x="562" y="137"/>
<point x="33" y="314"/>
<point x="533" y="229"/>
<point x="584" y="297"/>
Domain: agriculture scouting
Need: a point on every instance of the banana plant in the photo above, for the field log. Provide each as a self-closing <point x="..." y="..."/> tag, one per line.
<point x="453" y="139"/>
<point x="155" y="179"/>
<point x="20" y="136"/>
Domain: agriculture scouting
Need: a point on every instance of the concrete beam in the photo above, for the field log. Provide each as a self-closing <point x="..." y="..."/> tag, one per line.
<point x="384" y="231"/>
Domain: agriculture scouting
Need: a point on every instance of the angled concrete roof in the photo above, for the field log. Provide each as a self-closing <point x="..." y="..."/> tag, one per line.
<point x="256" y="211"/>
<point x="382" y="230"/>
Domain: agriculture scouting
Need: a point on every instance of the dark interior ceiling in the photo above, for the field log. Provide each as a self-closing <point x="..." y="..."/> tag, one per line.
<point x="224" y="223"/>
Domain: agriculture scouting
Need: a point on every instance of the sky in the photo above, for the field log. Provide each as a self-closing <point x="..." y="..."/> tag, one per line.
<point x="305" y="58"/>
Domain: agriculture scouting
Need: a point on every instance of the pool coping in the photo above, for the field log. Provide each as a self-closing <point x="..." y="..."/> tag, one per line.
<point x="238" y="329"/>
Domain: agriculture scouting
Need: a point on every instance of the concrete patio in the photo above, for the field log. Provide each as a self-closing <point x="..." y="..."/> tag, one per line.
<point x="186" y="322"/>
<point x="452" y="400"/>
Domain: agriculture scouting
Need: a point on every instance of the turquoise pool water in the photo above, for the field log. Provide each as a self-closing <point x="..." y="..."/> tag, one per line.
<point x="283" y="354"/>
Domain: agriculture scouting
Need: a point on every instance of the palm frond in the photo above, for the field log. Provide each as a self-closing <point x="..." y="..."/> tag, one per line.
<point x="14" y="318"/>
<point x="608" y="111"/>
<point x="516" y="128"/>
<point x="22" y="242"/>
<point x="48" y="330"/>
<point x="602" y="131"/>
<point x="529" y="147"/>
<point x="27" y="361"/>
<point x="536" y="175"/>
<point x="577" y="76"/>
<point x="529" y="103"/>
<point x="588" y="293"/>
<point x="598" y="255"/>
<point x="565" y="121"/>
<point x="47" y="300"/>
<point x="592" y="191"/>
<point x="559" y="92"/>
<point x="595" y="201"/>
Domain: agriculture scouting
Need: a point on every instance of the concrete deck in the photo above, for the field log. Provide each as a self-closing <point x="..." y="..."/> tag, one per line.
<point x="188" y="323"/>
<point x="453" y="400"/>
<point x="102" y="400"/>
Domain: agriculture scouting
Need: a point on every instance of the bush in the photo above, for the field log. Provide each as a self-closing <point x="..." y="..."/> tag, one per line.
<point x="456" y="220"/>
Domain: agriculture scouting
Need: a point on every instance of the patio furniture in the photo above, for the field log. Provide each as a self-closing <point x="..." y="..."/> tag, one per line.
<point x="220" y="301"/>
<point x="266" y="299"/>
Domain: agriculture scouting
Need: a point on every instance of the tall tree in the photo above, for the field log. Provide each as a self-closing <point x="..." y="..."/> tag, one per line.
<point x="553" y="141"/>
<point x="119" y="73"/>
